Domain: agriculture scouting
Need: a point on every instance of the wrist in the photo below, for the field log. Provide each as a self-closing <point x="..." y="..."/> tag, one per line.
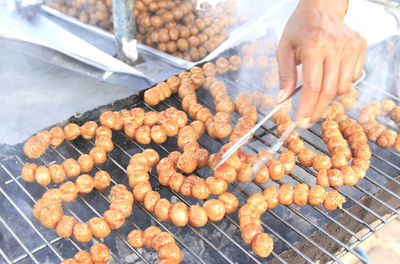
<point x="336" y="8"/>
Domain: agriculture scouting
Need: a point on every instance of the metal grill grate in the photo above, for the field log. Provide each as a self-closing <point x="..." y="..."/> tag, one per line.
<point x="301" y="234"/>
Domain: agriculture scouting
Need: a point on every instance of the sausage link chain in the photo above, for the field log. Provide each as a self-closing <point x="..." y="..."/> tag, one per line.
<point x="257" y="204"/>
<point x="162" y="242"/>
<point x="99" y="253"/>
<point x="178" y="213"/>
<point x="385" y="138"/>
<point x="144" y="127"/>
<point x="187" y="83"/>
<point x="48" y="208"/>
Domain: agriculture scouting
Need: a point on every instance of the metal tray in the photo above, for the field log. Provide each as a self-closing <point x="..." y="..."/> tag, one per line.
<point x="234" y="37"/>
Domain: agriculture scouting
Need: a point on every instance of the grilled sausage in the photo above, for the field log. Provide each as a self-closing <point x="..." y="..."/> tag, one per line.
<point x="42" y="175"/>
<point x="84" y="183"/>
<point x="249" y="232"/>
<point x="82" y="232"/>
<point x="285" y="195"/>
<point x="50" y="215"/>
<point x="98" y="155"/>
<point x="143" y="135"/>
<point x="262" y="175"/>
<point x="321" y="161"/>
<point x="105" y="143"/>
<point x="72" y="131"/>
<point x="199" y="189"/>
<point x="85" y="163"/>
<point x="107" y="119"/>
<point x="140" y="191"/>
<point x="57" y="136"/>
<point x="88" y="130"/>
<point x="271" y="195"/>
<point x="149" y="234"/>
<point x="230" y="202"/>
<point x="258" y="203"/>
<point x="29" y="169"/>
<point x="171" y="252"/>
<point x="83" y="257"/>
<point x="100" y="253"/>
<point x="161" y="240"/>
<point x="262" y="244"/>
<point x="306" y="157"/>
<point x="136" y="238"/>
<point x="333" y="200"/>
<point x="300" y="194"/>
<point x="387" y="139"/>
<point x="179" y="214"/>
<point x="216" y="185"/>
<point x="99" y="227"/>
<point x="69" y="191"/>
<point x="162" y="209"/>
<point x="226" y="173"/>
<point x="316" y="195"/>
<point x="275" y="169"/>
<point x="215" y="209"/>
<point x="101" y="180"/>
<point x="103" y="131"/>
<point x="197" y="216"/>
<point x="288" y="160"/>
<point x="115" y="219"/>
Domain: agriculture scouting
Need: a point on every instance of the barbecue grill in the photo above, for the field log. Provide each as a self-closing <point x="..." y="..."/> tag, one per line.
<point x="301" y="234"/>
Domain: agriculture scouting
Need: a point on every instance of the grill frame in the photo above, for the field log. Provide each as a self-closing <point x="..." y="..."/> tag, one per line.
<point x="313" y="246"/>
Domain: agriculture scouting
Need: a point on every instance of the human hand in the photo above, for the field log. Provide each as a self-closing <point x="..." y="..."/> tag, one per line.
<point x="331" y="54"/>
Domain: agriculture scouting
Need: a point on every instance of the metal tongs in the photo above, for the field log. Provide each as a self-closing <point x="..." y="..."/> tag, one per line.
<point x="246" y="136"/>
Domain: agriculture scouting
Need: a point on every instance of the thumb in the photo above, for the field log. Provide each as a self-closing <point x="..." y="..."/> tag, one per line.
<point x="287" y="72"/>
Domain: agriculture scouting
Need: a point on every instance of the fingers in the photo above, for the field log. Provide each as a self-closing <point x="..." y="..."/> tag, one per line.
<point x="313" y="64"/>
<point x="287" y="71"/>
<point x="360" y="59"/>
<point x="348" y="67"/>
<point x="329" y="84"/>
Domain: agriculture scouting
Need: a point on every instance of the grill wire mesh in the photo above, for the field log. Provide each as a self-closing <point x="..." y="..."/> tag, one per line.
<point x="301" y="234"/>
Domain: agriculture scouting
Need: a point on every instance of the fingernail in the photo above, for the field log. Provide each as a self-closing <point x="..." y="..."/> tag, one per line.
<point x="281" y="96"/>
<point x="304" y="123"/>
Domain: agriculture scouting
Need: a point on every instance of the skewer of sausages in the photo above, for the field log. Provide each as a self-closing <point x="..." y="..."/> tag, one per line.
<point x="154" y="238"/>
<point x="99" y="253"/>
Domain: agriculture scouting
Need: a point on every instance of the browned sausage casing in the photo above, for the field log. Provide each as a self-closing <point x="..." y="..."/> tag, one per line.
<point x="216" y="185"/>
<point x="136" y="238"/>
<point x="83" y="257"/>
<point x="262" y="245"/>
<point x="71" y="131"/>
<point x="101" y="180"/>
<point x="99" y="227"/>
<point x="100" y="253"/>
<point x="57" y="136"/>
<point x="300" y="194"/>
<point x="179" y="214"/>
<point x="98" y="155"/>
<point x="28" y="172"/>
<point x="271" y="196"/>
<point x="88" y="130"/>
<point x="149" y="234"/>
<point x="115" y="219"/>
<point x="316" y="195"/>
<point x="42" y="175"/>
<point x="82" y="232"/>
<point x="215" y="209"/>
<point x="84" y="183"/>
<point x="71" y="168"/>
<point x="162" y="209"/>
<point x="69" y="191"/>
